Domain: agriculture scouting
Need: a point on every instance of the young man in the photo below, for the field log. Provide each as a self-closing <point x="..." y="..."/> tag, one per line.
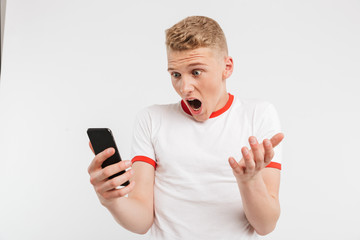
<point x="188" y="183"/>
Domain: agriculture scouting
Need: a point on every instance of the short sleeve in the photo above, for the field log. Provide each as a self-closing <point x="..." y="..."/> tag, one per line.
<point x="266" y="126"/>
<point x="142" y="147"/>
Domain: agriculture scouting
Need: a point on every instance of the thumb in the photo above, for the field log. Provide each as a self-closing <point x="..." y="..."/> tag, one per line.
<point x="276" y="139"/>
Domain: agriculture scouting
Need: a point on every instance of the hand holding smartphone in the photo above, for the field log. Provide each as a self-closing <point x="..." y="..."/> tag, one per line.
<point x="101" y="139"/>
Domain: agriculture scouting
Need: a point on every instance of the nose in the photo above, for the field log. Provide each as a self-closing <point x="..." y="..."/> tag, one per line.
<point x="187" y="85"/>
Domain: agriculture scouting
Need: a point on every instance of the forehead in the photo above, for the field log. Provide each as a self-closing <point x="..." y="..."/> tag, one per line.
<point x="204" y="56"/>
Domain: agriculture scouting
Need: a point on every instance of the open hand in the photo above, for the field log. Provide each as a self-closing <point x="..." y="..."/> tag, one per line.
<point x="256" y="159"/>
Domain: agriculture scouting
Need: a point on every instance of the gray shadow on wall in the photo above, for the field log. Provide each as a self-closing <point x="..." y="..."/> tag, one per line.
<point x="2" y="24"/>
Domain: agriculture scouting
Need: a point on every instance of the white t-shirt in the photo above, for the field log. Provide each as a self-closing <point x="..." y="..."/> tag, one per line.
<point x="196" y="195"/>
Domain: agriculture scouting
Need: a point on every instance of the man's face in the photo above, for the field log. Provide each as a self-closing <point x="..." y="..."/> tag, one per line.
<point x="199" y="77"/>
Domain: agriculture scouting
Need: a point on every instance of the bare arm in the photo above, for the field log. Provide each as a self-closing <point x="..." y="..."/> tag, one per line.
<point x="135" y="212"/>
<point x="259" y="186"/>
<point x="261" y="206"/>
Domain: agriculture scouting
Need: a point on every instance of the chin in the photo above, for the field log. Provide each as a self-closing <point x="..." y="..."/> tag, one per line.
<point x="201" y="118"/>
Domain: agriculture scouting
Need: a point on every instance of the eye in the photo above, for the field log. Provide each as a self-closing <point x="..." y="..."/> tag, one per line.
<point x="196" y="72"/>
<point x="176" y="74"/>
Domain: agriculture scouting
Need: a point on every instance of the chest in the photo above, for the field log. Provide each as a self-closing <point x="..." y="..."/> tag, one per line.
<point x="199" y="152"/>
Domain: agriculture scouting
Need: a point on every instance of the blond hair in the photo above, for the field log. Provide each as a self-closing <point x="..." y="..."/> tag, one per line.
<point x="195" y="32"/>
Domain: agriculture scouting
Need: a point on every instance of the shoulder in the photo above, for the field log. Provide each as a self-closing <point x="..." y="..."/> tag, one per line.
<point x="253" y="107"/>
<point x="157" y="111"/>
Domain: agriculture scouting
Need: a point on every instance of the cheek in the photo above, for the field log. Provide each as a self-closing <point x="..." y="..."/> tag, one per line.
<point x="212" y="88"/>
<point x="213" y="82"/>
<point x="175" y="85"/>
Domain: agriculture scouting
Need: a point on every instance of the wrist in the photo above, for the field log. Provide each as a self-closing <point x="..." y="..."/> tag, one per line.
<point x="109" y="204"/>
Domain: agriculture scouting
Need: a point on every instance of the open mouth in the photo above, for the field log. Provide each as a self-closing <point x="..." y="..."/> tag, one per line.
<point x="195" y="104"/>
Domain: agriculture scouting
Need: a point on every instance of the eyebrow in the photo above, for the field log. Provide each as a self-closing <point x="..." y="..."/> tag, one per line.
<point x="190" y="65"/>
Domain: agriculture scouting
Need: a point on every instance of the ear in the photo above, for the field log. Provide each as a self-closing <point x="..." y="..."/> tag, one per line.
<point x="229" y="67"/>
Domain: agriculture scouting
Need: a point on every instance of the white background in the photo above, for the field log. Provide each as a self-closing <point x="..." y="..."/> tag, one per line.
<point x="73" y="64"/>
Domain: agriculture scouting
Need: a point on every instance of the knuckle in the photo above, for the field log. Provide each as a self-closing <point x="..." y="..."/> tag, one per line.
<point x="101" y="156"/>
<point x="113" y="183"/>
<point x="106" y="172"/>
<point x="106" y="196"/>
<point x="251" y="166"/>
<point x="255" y="146"/>
<point x="121" y="192"/>
<point x="92" y="180"/>
<point x="99" y="159"/>
<point x="245" y="152"/>
<point x="124" y="165"/>
<point x="97" y="189"/>
<point x="249" y="156"/>
<point x="117" y="181"/>
<point x="259" y="166"/>
<point x="237" y="170"/>
<point x="119" y="166"/>
<point x="129" y="174"/>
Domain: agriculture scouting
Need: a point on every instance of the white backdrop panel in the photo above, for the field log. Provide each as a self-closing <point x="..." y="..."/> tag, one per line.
<point x="70" y="65"/>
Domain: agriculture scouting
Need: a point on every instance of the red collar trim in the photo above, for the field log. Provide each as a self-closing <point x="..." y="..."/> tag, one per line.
<point x="214" y="114"/>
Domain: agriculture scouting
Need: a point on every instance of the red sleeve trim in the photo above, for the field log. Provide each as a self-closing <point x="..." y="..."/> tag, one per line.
<point x="274" y="165"/>
<point x="144" y="159"/>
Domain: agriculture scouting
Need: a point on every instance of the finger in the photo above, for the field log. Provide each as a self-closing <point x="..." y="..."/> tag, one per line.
<point x="257" y="152"/>
<point x="235" y="166"/>
<point x="269" y="151"/>
<point x="100" y="158"/>
<point x="91" y="147"/>
<point x="116" y="193"/>
<point x="248" y="160"/>
<point x="114" y="168"/>
<point x="276" y="139"/>
<point x="108" y="171"/>
<point x="115" y="182"/>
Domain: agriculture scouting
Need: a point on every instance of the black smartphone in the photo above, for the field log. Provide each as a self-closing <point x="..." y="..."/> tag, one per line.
<point x="101" y="139"/>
